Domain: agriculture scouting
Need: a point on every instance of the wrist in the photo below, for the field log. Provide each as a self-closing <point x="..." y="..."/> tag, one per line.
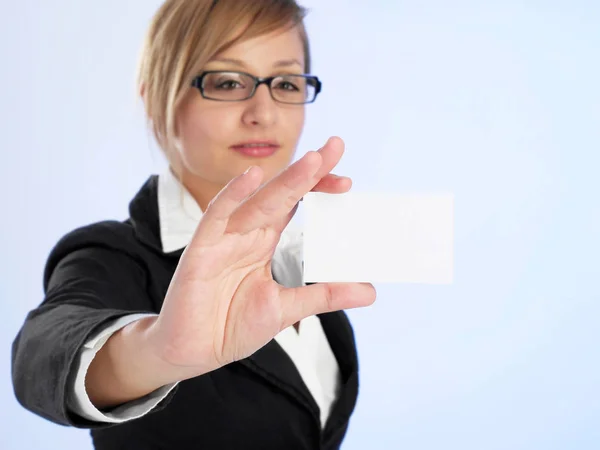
<point x="141" y="343"/>
<point x="159" y="354"/>
<point x="125" y="367"/>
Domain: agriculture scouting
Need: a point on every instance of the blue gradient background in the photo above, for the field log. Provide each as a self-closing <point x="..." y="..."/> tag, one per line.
<point x="497" y="102"/>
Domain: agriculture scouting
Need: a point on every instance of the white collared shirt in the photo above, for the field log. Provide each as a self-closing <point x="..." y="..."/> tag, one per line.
<point x="308" y="348"/>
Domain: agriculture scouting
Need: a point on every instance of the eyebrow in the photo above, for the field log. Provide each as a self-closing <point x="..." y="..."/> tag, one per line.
<point x="240" y="63"/>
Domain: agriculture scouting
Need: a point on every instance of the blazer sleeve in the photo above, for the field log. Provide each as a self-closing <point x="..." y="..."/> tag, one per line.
<point x="86" y="289"/>
<point x="78" y="400"/>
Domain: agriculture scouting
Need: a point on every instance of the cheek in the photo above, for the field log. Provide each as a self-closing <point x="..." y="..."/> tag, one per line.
<point x="204" y="133"/>
<point x="203" y="128"/>
<point x="294" y="122"/>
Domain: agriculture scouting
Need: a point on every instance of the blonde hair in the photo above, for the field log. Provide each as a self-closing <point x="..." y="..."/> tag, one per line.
<point x="185" y="34"/>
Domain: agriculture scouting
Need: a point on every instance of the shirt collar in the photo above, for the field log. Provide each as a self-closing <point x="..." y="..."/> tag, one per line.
<point x="178" y="213"/>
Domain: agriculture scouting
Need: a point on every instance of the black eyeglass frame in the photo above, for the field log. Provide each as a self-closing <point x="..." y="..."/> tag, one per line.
<point x="197" y="83"/>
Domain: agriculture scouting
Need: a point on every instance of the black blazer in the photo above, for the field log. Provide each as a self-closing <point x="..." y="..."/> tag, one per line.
<point x="103" y="271"/>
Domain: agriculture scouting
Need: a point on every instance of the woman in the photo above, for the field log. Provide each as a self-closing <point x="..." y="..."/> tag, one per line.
<point x="188" y="325"/>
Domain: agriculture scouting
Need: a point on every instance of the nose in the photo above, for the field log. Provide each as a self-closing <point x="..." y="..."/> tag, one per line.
<point x="261" y="109"/>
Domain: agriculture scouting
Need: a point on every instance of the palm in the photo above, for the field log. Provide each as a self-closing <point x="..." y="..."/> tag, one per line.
<point x="248" y="314"/>
<point x="223" y="303"/>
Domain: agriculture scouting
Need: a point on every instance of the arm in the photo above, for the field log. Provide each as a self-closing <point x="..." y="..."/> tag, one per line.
<point x="86" y="290"/>
<point x="127" y="367"/>
<point x="78" y="399"/>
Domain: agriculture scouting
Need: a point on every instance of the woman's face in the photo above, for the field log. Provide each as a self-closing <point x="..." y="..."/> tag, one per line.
<point x="210" y="132"/>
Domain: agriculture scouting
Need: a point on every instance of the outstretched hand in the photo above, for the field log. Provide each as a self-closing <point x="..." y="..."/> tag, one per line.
<point x="223" y="303"/>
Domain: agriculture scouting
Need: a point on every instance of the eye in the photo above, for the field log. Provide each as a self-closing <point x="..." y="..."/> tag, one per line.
<point x="224" y="81"/>
<point x="228" y="84"/>
<point x="287" y="86"/>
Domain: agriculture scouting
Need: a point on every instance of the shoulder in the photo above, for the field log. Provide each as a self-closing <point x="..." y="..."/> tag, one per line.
<point x="108" y="241"/>
<point x="110" y="234"/>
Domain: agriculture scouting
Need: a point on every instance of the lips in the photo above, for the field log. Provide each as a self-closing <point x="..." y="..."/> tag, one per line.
<point x="255" y="144"/>
<point x="258" y="149"/>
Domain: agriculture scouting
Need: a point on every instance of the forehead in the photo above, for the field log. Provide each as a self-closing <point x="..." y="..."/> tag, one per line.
<point x="267" y="51"/>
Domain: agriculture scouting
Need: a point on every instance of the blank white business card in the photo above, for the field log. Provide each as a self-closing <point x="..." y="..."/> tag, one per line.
<point x="378" y="237"/>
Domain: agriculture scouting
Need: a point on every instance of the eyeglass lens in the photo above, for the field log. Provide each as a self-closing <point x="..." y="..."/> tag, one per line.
<point x="231" y="86"/>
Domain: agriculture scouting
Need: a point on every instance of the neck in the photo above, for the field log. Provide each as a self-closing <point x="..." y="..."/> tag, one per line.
<point x="201" y="190"/>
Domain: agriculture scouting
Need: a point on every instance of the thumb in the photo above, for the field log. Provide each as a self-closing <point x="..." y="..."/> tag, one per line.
<point x="301" y="302"/>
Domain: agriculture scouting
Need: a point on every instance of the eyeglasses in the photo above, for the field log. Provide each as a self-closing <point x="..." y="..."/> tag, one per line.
<point x="237" y="86"/>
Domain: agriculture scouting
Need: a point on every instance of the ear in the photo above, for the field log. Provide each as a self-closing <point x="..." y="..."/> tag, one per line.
<point x="142" y="91"/>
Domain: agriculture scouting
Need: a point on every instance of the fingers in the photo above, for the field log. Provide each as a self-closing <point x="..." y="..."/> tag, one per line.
<point x="280" y="195"/>
<point x="236" y="209"/>
<point x="215" y="219"/>
<point x="333" y="184"/>
<point x="280" y="225"/>
<point x="298" y="303"/>
<point x="330" y="184"/>
<point x="331" y="153"/>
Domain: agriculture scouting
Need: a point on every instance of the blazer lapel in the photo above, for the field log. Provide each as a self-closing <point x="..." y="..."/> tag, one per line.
<point x="273" y="364"/>
<point x="276" y="367"/>
<point x="339" y="333"/>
